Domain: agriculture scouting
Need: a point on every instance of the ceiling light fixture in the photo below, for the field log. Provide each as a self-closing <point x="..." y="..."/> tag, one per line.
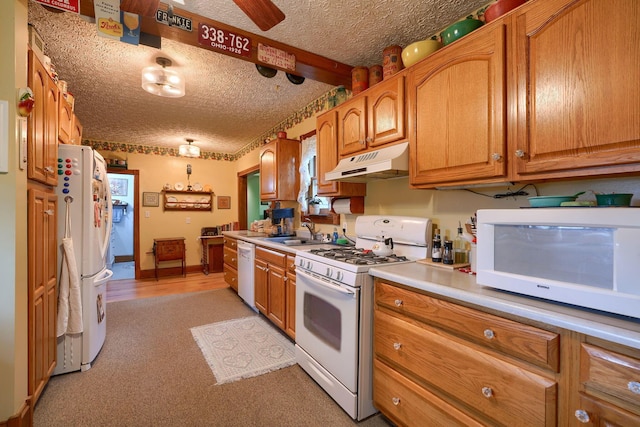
<point x="188" y="150"/>
<point x="162" y="81"/>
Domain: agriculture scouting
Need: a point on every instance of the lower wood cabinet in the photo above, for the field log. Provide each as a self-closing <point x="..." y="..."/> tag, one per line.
<point x="42" y="287"/>
<point x="275" y="288"/>
<point x="230" y="262"/>
<point x="437" y="362"/>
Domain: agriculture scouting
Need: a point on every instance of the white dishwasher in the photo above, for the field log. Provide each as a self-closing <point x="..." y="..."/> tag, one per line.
<point x="246" y="286"/>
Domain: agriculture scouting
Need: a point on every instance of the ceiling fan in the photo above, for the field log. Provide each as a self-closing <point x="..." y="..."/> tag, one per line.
<point x="263" y="13"/>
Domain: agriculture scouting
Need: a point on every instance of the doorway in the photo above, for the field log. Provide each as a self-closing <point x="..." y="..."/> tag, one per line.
<point x="124" y="249"/>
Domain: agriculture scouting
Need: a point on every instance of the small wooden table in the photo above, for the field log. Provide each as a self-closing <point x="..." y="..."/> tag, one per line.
<point x="170" y="249"/>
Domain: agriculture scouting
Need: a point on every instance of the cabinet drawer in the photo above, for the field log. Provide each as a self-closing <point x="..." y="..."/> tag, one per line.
<point x="500" y="390"/>
<point x="231" y="276"/>
<point x="600" y="413"/>
<point x="526" y="342"/>
<point x="230" y="243"/>
<point x="230" y="257"/>
<point x="405" y="402"/>
<point x="271" y="257"/>
<point x="170" y="249"/>
<point x="611" y="373"/>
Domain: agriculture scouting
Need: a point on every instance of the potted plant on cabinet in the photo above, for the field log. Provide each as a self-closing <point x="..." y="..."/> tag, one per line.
<point x="314" y="205"/>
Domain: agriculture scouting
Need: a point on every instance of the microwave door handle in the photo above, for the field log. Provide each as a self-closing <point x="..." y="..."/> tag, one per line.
<point x="323" y="283"/>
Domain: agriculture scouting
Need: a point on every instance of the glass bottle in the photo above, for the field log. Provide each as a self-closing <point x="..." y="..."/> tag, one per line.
<point x="460" y="253"/>
<point x="436" y="250"/>
<point x="447" y="255"/>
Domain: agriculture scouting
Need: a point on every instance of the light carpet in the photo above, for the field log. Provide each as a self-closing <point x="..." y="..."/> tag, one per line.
<point x="243" y="348"/>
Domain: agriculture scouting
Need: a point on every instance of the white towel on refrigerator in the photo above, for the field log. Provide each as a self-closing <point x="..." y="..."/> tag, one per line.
<point x="69" y="292"/>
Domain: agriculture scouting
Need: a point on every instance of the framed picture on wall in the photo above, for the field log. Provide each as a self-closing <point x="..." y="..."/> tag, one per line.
<point x="119" y="186"/>
<point x="224" y="202"/>
<point x="150" y="199"/>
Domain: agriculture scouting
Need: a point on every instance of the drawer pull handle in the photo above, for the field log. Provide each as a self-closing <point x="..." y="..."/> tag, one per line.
<point x="398" y="303"/>
<point x="634" y="387"/>
<point x="489" y="334"/>
<point x="397" y="345"/>
<point x="582" y="416"/>
<point x="395" y="400"/>
<point x="487" y="392"/>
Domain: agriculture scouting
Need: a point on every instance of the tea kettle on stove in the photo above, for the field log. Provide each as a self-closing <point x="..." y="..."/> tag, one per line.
<point x="383" y="247"/>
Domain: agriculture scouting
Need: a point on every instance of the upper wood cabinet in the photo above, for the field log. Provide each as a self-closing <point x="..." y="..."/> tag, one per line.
<point x="327" y="158"/>
<point x="372" y="119"/>
<point x="42" y="139"/>
<point x="577" y="66"/>
<point x="279" y="175"/>
<point x="457" y="112"/>
<point x="65" y="121"/>
<point x="76" y="131"/>
<point x="547" y="91"/>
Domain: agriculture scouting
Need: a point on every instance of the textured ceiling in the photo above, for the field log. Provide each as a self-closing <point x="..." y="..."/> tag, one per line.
<point x="228" y="104"/>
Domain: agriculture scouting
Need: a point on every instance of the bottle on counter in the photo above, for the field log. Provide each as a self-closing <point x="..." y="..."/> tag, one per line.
<point x="334" y="237"/>
<point x="436" y="251"/>
<point x="447" y="254"/>
<point x="460" y="252"/>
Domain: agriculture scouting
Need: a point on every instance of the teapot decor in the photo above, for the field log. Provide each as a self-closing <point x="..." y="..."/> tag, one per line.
<point x="383" y="247"/>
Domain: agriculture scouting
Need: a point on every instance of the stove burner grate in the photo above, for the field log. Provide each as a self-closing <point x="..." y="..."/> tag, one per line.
<point x="357" y="256"/>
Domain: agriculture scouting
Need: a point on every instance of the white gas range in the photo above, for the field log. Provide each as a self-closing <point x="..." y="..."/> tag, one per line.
<point x="334" y="306"/>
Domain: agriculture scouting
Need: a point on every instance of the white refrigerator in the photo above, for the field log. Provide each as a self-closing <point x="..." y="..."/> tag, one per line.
<point x="84" y="227"/>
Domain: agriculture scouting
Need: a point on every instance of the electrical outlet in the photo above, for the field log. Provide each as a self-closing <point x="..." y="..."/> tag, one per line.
<point x="344" y="227"/>
<point x="188" y="220"/>
<point x="147" y="214"/>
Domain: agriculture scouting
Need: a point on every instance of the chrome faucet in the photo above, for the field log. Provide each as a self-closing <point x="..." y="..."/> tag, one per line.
<point x="311" y="226"/>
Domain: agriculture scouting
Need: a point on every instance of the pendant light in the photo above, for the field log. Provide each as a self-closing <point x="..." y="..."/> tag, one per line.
<point x="188" y="150"/>
<point x="162" y="81"/>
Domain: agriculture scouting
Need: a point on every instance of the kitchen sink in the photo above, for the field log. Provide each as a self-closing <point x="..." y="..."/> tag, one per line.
<point x="293" y="241"/>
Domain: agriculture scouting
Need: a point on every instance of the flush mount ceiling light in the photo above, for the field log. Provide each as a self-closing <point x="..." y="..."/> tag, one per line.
<point x="188" y="150"/>
<point x="162" y="81"/>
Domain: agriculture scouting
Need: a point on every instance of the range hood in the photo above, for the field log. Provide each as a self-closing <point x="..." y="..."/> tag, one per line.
<point x="388" y="162"/>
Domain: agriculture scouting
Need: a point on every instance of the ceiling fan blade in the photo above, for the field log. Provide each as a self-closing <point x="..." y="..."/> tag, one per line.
<point x="263" y="13"/>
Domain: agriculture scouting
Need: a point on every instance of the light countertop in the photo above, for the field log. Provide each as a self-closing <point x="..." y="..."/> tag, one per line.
<point x="262" y="240"/>
<point x="462" y="287"/>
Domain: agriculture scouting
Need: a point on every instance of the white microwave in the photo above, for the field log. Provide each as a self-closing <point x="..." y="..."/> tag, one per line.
<point x="584" y="256"/>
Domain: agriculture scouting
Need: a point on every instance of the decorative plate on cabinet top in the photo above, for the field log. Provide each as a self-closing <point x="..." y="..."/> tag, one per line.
<point x="179" y="186"/>
<point x="197" y="187"/>
<point x="167" y="186"/>
<point x="207" y="188"/>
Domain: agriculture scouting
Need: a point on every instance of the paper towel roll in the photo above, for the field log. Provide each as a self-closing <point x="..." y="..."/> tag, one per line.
<point x="342" y="206"/>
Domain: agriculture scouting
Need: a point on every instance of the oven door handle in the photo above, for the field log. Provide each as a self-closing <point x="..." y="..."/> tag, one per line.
<point x="325" y="284"/>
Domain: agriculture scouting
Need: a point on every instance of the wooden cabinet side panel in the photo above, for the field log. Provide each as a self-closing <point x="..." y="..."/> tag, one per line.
<point x="36" y="154"/>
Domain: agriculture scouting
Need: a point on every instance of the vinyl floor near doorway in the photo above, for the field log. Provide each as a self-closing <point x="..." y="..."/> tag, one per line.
<point x="152" y="372"/>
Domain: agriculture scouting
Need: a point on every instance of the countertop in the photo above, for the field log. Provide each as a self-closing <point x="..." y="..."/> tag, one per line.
<point x="462" y="287"/>
<point x="262" y="239"/>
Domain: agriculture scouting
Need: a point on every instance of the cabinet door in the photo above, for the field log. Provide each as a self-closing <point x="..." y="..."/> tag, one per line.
<point x="42" y="139"/>
<point x="327" y="159"/>
<point x="76" y="131"/>
<point x="386" y="112"/>
<point x="457" y="113"/>
<point x="261" y="277"/>
<point x="277" y="296"/>
<point x="42" y="280"/>
<point x="269" y="172"/>
<point x="578" y="68"/>
<point x="65" y="121"/>
<point x="352" y="126"/>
